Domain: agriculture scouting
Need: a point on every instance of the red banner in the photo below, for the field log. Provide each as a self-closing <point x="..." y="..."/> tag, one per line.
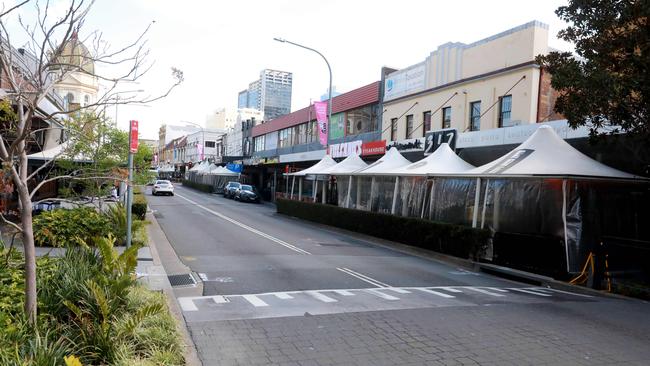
<point x="373" y="148"/>
<point x="133" y="144"/>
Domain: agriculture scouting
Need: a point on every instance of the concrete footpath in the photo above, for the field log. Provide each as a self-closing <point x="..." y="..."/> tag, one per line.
<point x="155" y="263"/>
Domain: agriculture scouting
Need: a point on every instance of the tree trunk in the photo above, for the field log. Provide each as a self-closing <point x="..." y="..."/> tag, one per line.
<point x="30" y="255"/>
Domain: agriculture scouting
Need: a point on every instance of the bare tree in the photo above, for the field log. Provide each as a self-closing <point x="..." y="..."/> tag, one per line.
<point x="28" y="76"/>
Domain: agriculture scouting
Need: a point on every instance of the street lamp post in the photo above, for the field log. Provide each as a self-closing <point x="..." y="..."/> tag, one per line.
<point x="329" y="102"/>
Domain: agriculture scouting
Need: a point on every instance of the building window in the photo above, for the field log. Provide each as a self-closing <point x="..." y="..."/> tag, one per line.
<point x="505" y="111"/>
<point x="446" y="117"/>
<point x="259" y="143"/>
<point x="210" y="144"/>
<point x="409" y="126"/>
<point x="426" y="121"/>
<point x="86" y="100"/>
<point x="475" y="116"/>
<point x="393" y="129"/>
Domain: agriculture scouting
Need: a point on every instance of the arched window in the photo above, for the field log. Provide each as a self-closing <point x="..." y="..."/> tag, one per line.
<point x="86" y="99"/>
<point x="69" y="97"/>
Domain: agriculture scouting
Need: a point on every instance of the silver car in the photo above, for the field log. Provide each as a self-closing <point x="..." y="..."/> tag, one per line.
<point x="162" y="187"/>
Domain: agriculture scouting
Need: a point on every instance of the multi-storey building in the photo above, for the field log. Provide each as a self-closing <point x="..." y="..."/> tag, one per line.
<point x="271" y="94"/>
<point x="226" y="118"/>
<point x="488" y="84"/>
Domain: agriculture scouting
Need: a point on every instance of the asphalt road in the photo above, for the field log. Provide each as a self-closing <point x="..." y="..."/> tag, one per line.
<point x="275" y="286"/>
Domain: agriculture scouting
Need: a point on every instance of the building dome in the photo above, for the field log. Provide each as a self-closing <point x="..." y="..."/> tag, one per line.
<point x="76" y="54"/>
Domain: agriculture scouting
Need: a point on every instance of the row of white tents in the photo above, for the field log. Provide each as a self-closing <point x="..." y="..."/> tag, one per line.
<point x="544" y="187"/>
<point x="211" y="174"/>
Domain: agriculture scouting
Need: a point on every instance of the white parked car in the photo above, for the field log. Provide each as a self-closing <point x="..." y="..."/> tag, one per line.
<point x="162" y="187"/>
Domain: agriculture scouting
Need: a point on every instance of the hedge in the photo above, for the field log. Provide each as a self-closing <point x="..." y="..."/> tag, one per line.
<point x="456" y="240"/>
<point x="139" y="206"/>
<point x="201" y="187"/>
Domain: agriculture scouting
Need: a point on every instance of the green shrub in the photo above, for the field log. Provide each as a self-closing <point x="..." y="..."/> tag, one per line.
<point x="201" y="187"/>
<point x="139" y="206"/>
<point x="456" y="240"/>
<point x="59" y="228"/>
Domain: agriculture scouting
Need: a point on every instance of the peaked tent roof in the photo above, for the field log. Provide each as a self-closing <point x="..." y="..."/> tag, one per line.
<point x="325" y="163"/>
<point x="350" y="164"/>
<point x="390" y="161"/>
<point x="223" y="171"/>
<point x="443" y="161"/>
<point x="546" y="153"/>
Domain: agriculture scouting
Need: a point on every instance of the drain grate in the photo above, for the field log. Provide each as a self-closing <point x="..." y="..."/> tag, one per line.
<point x="179" y="280"/>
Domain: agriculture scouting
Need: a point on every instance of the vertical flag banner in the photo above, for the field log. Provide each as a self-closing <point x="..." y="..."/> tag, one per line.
<point x="199" y="151"/>
<point x="321" y="118"/>
<point x="133" y="144"/>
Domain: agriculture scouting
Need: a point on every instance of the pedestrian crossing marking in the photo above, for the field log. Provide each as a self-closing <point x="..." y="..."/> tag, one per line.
<point x="318" y="296"/>
<point x="433" y="292"/>
<point x="254" y="300"/>
<point x="486" y="292"/>
<point x="379" y="294"/>
<point x="382" y="295"/>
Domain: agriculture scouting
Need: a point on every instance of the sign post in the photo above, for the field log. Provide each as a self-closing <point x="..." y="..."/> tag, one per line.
<point x="133" y="148"/>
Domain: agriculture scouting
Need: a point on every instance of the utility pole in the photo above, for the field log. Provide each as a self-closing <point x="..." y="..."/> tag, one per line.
<point x="133" y="148"/>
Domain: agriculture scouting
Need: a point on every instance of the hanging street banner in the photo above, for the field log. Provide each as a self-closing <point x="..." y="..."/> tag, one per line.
<point x="133" y="134"/>
<point x="321" y="118"/>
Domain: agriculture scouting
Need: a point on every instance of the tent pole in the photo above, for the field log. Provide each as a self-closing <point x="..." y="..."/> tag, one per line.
<point x="477" y="197"/>
<point x="395" y="191"/>
<point x="372" y="189"/>
<point x="324" y="192"/>
<point x="487" y="183"/>
<point x="347" y="199"/>
<point x="358" y="200"/>
<point x="433" y="186"/>
<point x="293" y="183"/>
<point x="286" y="185"/>
<point x="424" y="203"/>
<point x="566" y="234"/>
<point x="314" y="189"/>
<point x="300" y="189"/>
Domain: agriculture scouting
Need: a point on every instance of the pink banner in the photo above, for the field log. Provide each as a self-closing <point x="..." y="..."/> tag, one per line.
<point x="321" y="118"/>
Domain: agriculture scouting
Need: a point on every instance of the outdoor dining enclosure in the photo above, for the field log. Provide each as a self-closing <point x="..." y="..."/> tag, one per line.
<point x="547" y="205"/>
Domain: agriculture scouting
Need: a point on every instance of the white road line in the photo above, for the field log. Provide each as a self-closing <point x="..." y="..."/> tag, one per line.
<point x="246" y="227"/>
<point x="496" y="289"/>
<point x="318" y="296"/>
<point x="363" y="277"/>
<point x="451" y="289"/>
<point x="344" y="293"/>
<point x="480" y="290"/>
<point x="569" y="293"/>
<point x="399" y="290"/>
<point x="254" y="300"/>
<point x="528" y="291"/>
<point x="283" y="295"/>
<point x="436" y="293"/>
<point x="382" y="295"/>
<point x="220" y="299"/>
<point x="187" y="304"/>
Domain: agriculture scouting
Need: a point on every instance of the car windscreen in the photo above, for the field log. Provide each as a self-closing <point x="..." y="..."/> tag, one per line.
<point x="163" y="182"/>
<point x="247" y="188"/>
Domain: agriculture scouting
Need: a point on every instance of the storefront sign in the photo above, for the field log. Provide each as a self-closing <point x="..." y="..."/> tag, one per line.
<point x="237" y="168"/>
<point x="373" y="148"/>
<point x="303" y="156"/>
<point x="404" y="82"/>
<point x="270" y="161"/>
<point x="345" y="149"/>
<point x="434" y="139"/>
<point x="407" y="145"/>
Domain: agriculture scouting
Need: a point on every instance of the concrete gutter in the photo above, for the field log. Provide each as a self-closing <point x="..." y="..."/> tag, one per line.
<point x="165" y="260"/>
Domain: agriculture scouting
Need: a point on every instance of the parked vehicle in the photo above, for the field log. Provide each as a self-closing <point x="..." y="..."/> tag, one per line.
<point x="162" y="187"/>
<point x="247" y="193"/>
<point x="230" y="189"/>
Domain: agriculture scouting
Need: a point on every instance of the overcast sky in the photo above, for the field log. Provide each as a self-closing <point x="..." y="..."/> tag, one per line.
<point x="221" y="46"/>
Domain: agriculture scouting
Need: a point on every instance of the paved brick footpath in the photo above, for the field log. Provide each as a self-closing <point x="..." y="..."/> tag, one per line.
<point x="542" y="334"/>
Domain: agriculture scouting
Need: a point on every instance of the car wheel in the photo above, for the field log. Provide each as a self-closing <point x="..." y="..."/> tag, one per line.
<point x="153" y="193"/>
<point x="171" y="194"/>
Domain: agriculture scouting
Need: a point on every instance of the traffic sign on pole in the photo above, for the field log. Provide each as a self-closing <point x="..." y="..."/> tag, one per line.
<point x="133" y="137"/>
